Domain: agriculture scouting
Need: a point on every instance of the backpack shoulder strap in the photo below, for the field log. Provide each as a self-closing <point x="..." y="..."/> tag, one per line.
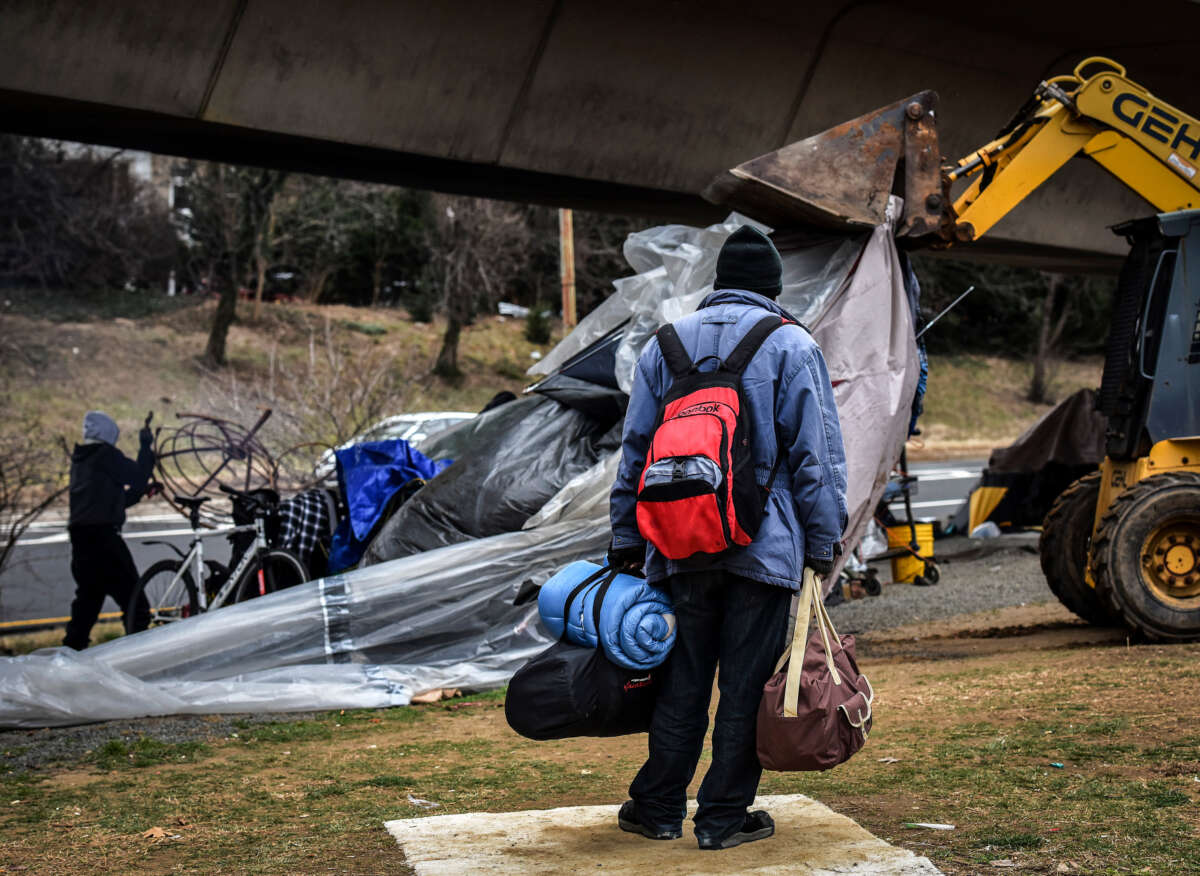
<point x="737" y="361"/>
<point x="673" y="351"/>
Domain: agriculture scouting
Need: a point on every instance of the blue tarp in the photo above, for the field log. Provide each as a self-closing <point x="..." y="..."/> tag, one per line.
<point x="369" y="474"/>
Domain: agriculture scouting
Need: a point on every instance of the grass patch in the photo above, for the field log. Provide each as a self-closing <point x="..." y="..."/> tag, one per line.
<point x="1012" y="841"/>
<point x="1160" y="796"/>
<point x="151" y="348"/>
<point x="366" y="328"/>
<point x="286" y="797"/>
<point x="145" y="751"/>
<point x="15" y="644"/>
<point x="59" y="305"/>
<point x="979" y="401"/>
<point x="284" y="731"/>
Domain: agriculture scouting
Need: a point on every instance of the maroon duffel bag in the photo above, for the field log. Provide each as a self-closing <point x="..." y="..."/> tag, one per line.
<point x="815" y="715"/>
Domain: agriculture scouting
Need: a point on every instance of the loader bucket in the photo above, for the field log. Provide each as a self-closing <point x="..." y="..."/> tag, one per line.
<point x="841" y="179"/>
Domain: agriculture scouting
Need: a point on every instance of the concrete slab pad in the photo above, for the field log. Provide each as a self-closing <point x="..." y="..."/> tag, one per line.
<point x="810" y="839"/>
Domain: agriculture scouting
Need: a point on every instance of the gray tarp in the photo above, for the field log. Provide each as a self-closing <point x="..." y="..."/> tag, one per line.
<point x="510" y="461"/>
<point x="444" y="618"/>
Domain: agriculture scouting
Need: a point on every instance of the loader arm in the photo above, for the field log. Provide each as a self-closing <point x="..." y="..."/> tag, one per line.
<point x="1148" y="145"/>
<point x="842" y="177"/>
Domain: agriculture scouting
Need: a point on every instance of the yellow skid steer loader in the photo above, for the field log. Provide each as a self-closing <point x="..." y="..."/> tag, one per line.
<point x="1122" y="544"/>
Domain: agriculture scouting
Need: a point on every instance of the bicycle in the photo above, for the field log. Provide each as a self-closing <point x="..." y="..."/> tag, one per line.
<point x="180" y="588"/>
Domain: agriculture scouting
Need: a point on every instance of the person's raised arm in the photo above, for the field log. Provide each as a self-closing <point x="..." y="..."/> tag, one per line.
<point x="136" y="474"/>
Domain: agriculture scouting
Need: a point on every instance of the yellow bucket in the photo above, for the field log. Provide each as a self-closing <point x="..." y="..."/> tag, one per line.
<point x="907" y="567"/>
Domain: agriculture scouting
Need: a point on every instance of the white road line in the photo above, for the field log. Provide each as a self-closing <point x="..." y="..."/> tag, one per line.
<point x="42" y="525"/>
<point x="931" y="503"/>
<point x="62" y="537"/>
<point x="945" y="474"/>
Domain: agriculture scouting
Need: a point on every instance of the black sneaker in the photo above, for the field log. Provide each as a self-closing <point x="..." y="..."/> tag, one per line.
<point x="758" y="825"/>
<point x="628" y="821"/>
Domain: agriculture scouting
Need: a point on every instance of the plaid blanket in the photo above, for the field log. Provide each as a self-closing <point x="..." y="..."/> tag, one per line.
<point x="305" y="527"/>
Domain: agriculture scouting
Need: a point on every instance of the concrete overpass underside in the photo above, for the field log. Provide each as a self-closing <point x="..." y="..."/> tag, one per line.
<point x="620" y="106"/>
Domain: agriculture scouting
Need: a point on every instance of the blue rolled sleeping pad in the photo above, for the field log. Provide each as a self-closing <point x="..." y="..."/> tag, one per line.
<point x="637" y="620"/>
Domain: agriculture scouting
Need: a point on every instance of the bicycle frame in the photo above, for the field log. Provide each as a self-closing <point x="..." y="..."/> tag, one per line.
<point x="253" y="551"/>
<point x="194" y="561"/>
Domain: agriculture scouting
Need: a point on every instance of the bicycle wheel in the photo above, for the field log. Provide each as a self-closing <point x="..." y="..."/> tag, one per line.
<point x="277" y="570"/>
<point x="168" y="597"/>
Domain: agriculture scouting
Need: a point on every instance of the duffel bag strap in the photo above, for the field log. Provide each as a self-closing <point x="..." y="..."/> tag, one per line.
<point x="598" y="600"/>
<point x="579" y="588"/>
<point x="810" y="604"/>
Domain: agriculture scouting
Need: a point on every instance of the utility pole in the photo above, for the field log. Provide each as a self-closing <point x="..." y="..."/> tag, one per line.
<point x="566" y="260"/>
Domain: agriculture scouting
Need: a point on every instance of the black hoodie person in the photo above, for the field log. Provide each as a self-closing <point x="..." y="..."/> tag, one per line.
<point x="104" y="482"/>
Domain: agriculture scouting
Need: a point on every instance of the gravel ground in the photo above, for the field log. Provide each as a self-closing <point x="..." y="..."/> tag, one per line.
<point x="975" y="576"/>
<point x="23" y="750"/>
<point x="986" y="574"/>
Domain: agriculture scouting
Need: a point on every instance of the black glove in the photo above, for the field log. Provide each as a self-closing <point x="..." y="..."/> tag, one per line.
<point x="628" y="559"/>
<point x="822" y="567"/>
<point x="145" y="435"/>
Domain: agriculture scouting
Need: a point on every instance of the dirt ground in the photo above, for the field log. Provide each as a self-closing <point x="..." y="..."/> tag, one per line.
<point x="1051" y="746"/>
<point x="1047" y="743"/>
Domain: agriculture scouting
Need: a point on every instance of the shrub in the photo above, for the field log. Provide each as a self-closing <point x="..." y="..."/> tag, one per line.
<point x="537" y="325"/>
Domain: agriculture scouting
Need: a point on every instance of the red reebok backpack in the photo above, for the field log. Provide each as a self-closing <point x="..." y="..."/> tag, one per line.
<point x="697" y="493"/>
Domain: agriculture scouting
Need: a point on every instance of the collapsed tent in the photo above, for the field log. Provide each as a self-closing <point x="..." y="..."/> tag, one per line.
<point x="511" y="459"/>
<point x="1022" y="481"/>
<point x="461" y="614"/>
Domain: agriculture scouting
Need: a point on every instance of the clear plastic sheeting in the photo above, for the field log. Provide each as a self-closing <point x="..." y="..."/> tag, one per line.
<point x="676" y="265"/>
<point x="373" y="637"/>
<point x="673" y="262"/>
<point x="813" y="272"/>
<point x="48" y="689"/>
<point x="378" y="635"/>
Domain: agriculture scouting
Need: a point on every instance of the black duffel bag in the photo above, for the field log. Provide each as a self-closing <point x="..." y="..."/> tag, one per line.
<point x="570" y="690"/>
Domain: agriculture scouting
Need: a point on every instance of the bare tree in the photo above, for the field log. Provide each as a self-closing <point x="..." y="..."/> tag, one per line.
<point x="477" y="249"/>
<point x="32" y="478"/>
<point x="264" y="243"/>
<point x="317" y="218"/>
<point x="74" y="218"/>
<point x="1055" y="311"/>
<point x="334" y="392"/>
<point x="229" y="212"/>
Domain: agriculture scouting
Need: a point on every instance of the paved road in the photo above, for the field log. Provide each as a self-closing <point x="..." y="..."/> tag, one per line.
<point x="37" y="584"/>
<point x="941" y="486"/>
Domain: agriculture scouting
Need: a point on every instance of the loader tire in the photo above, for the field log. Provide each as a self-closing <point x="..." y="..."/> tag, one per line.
<point x="1146" y="556"/>
<point x="1063" y="547"/>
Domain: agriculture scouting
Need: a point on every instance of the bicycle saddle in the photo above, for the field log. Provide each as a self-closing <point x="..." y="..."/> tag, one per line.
<point x="191" y="502"/>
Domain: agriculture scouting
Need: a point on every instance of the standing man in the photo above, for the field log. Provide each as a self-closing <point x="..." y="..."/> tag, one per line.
<point x="732" y="608"/>
<point x="104" y="482"/>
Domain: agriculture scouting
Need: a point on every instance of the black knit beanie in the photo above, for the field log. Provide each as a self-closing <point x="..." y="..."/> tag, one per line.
<point x="749" y="261"/>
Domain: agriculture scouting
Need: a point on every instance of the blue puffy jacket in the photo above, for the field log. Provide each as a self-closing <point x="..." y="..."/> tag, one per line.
<point x="786" y="383"/>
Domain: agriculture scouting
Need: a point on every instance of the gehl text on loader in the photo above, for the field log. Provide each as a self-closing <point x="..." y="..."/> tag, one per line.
<point x="1121" y="545"/>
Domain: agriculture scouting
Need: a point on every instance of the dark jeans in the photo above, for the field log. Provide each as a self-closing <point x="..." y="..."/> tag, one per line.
<point x="102" y="566"/>
<point x="742" y="624"/>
